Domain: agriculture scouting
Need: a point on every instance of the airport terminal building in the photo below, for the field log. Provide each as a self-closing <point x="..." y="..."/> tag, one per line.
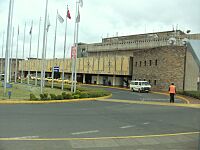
<point x="160" y="58"/>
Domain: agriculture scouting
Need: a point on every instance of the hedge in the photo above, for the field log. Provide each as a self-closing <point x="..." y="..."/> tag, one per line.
<point x="194" y="94"/>
<point x="68" y="95"/>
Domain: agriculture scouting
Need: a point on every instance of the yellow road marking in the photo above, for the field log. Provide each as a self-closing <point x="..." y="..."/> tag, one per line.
<point x="127" y="89"/>
<point x="180" y="97"/>
<point x="150" y="103"/>
<point x="51" y="101"/>
<point x="98" y="138"/>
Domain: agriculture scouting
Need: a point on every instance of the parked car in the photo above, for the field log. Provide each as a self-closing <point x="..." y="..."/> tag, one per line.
<point x="140" y="86"/>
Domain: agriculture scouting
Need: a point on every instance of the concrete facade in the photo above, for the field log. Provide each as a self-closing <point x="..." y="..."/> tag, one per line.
<point x="192" y="73"/>
<point x="159" y="58"/>
<point x="13" y="65"/>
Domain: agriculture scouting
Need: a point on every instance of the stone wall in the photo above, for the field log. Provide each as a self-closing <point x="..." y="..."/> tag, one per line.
<point x="160" y="66"/>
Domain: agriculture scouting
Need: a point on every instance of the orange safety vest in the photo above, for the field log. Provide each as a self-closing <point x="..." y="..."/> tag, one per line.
<point x="172" y="89"/>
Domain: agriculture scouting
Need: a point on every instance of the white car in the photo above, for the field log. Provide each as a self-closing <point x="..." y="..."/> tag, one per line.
<point x="140" y="86"/>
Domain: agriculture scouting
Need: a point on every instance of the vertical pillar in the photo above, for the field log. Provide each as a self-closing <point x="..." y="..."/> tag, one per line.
<point x="114" y="80"/>
<point x="83" y="78"/>
<point x="98" y="79"/>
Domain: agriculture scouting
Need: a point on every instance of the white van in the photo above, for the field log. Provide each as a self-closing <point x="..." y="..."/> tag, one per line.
<point x="140" y="86"/>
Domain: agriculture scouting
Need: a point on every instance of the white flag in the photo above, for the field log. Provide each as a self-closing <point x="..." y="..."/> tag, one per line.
<point x="81" y="3"/>
<point x="48" y="24"/>
<point x="60" y="18"/>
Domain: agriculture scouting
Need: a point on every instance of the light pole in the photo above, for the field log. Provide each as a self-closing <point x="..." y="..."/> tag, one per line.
<point x="43" y="48"/>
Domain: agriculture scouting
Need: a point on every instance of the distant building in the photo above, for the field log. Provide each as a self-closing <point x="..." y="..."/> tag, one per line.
<point x="159" y="58"/>
<point x="12" y="63"/>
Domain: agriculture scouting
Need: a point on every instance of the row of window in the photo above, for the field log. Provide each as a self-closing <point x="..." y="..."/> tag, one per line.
<point x="146" y="63"/>
<point x="154" y="82"/>
<point x="135" y="42"/>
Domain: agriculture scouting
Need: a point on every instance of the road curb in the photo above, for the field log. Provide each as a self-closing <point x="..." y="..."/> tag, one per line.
<point x="51" y="101"/>
<point x="178" y="96"/>
<point x="197" y="106"/>
<point x="126" y="89"/>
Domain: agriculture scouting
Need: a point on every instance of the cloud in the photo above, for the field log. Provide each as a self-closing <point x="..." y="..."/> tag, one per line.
<point x="99" y="18"/>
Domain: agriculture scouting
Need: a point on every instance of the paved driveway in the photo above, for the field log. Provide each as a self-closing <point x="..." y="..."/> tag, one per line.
<point x="98" y="125"/>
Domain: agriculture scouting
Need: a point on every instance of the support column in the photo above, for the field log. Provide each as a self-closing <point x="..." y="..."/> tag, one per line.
<point x="83" y="78"/>
<point x="98" y="79"/>
<point x="114" y="80"/>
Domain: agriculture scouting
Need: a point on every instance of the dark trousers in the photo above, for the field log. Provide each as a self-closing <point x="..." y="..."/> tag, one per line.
<point x="171" y="97"/>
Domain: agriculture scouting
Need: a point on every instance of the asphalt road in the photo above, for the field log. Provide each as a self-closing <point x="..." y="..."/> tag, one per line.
<point x="129" y="95"/>
<point x="59" y="124"/>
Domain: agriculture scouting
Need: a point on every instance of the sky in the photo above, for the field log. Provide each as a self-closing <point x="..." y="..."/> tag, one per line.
<point x="98" y="19"/>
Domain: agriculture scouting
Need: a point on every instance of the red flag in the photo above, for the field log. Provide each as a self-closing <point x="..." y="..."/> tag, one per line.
<point x="73" y="52"/>
<point x="68" y="14"/>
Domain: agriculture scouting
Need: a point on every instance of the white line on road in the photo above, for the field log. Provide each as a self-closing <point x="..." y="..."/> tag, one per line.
<point x="85" y="132"/>
<point x="125" y="127"/>
<point x="146" y="123"/>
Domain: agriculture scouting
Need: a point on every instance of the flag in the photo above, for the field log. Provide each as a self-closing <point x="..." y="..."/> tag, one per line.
<point x="73" y="52"/>
<point x="68" y="14"/>
<point x="48" y="24"/>
<point x="78" y="17"/>
<point x="18" y="30"/>
<point x="60" y="18"/>
<point x="81" y="3"/>
<point x="30" y="32"/>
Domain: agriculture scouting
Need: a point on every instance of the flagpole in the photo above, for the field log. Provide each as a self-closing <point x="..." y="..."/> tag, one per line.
<point x="8" y="46"/>
<point x="2" y="56"/>
<point x="43" y="49"/>
<point x="76" y="43"/>
<point x="54" y="52"/>
<point x="22" y="72"/>
<point x="11" y="55"/>
<point x="11" y="48"/>
<point x="38" y="46"/>
<point x="45" y="57"/>
<point x="63" y="73"/>
<point x="75" y="73"/>
<point x="29" y="64"/>
<point x="16" y="66"/>
<point x="73" y="61"/>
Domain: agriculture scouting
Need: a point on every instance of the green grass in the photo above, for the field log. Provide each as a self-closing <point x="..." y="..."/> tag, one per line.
<point x="22" y="91"/>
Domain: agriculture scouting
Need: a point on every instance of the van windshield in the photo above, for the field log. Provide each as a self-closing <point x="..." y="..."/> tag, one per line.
<point x="145" y="83"/>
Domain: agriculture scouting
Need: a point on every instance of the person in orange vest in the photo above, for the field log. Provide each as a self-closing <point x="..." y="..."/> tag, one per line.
<point x="172" y="92"/>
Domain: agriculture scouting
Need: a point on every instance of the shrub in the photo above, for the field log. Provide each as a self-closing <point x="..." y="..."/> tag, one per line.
<point x="59" y="97"/>
<point x="194" y="94"/>
<point x="33" y="97"/>
<point x="64" y="95"/>
<point x="53" y="96"/>
<point x="84" y="95"/>
<point x="76" y="96"/>
<point x="44" y="96"/>
<point x="69" y="96"/>
<point x="78" y="92"/>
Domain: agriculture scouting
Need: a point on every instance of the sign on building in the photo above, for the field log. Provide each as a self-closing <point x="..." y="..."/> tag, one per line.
<point x="56" y="68"/>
